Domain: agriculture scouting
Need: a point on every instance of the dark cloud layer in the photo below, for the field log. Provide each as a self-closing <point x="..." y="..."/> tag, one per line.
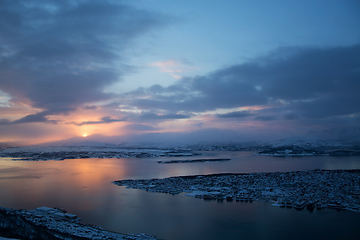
<point x="139" y="127"/>
<point x="265" y="118"/>
<point x="294" y="82"/>
<point x="58" y="55"/>
<point x="103" y="120"/>
<point x="153" y="116"/>
<point x="38" y="117"/>
<point x="237" y="114"/>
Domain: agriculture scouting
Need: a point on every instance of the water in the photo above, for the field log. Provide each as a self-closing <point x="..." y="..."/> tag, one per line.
<point x="83" y="187"/>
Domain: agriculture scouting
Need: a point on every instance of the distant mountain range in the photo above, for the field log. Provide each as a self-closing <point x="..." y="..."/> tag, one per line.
<point x="327" y="137"/>
<point x="273" y="137"/>
<point x="349" y="134"/>
<point x="5" y="145"/>
<point x="167" y="138"/>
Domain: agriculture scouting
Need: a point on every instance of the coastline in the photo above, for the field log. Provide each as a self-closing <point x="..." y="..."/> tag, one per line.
<point x="337" y="189"/>
<point x="54" y="223"/>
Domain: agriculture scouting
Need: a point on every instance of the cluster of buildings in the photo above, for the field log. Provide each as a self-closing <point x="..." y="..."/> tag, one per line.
<point x="338" y="189"/>
<point x="58" y="223"/>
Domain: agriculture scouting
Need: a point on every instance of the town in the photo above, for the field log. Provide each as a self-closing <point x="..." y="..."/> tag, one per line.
<point x="339" y="189"/>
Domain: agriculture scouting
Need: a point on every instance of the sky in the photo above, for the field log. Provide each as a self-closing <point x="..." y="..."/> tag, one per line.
<point x="76" y="68"/>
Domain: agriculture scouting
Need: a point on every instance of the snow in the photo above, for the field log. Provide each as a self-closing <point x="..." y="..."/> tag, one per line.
<point x="46" y="209"/>
<point x="193" y="194"/>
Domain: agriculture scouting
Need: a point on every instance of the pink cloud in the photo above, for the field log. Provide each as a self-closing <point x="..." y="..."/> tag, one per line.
<point x="173" y="67"/>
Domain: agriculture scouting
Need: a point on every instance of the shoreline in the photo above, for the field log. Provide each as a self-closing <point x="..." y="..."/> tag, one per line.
<point x="337" y="189"/>
<point x="45" y="153"/>
<point x="54" y="223"/>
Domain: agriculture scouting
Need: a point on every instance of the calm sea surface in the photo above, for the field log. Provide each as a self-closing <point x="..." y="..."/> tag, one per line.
<point x="83" y="187"/>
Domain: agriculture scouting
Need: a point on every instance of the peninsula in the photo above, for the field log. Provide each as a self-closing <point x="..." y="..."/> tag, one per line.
<point x="337" y="189"/>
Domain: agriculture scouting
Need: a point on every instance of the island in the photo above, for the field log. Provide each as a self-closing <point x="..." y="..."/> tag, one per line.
<point x="337" y="189"/>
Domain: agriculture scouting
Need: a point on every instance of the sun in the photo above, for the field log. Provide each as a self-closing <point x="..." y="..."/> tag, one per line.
<point x="84" y="135"/>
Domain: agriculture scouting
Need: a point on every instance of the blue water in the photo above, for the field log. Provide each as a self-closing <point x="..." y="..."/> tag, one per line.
<point x="83" y="187"/>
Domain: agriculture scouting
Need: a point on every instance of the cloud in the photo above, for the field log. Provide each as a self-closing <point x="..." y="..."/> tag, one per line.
<point x="139" y="127"/>
<point x="153" y="116"/>
<point x="312" y="83"/>
<point x="31" y="118"/>
<point x="33" y="134"/>
<point x="291" y="116"/>
<point x="90" y="107"/>
<point x="102" y="121"/>
<point x="237" y="114"/>
<point x="39" y="117"/>
<point x="199" y="124"/>
<point x="57" y="55"/>
<point x="265" y="118"/>
<point x="174" y="67"/>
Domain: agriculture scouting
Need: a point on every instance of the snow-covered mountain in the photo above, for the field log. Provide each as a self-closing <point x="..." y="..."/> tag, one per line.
<point x="348" y="134"/>
<point x="167" y="138"/>
<point x="305" y="142"/>
<point x="275" y="138"/>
